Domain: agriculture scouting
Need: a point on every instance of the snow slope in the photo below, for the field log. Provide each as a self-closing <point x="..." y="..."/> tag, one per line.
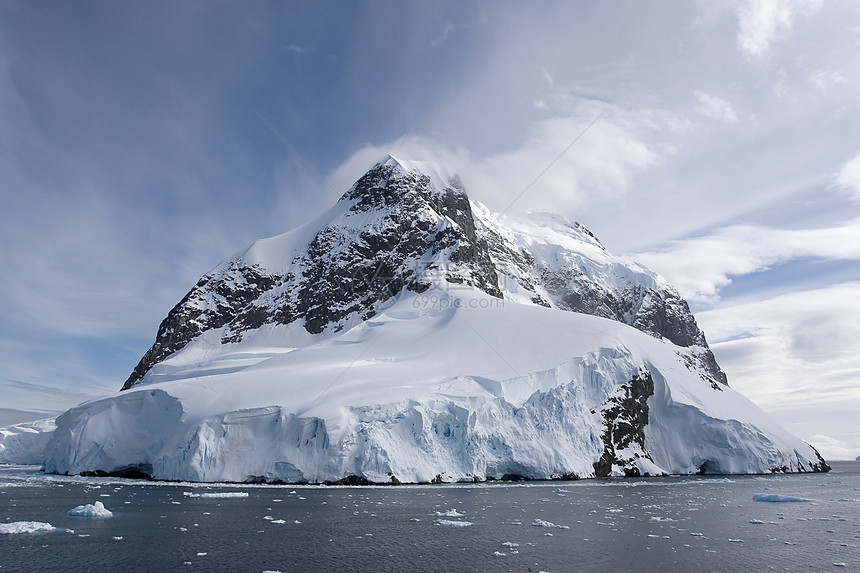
<point x="410" y="335"/>
<point x="459" y="385"/>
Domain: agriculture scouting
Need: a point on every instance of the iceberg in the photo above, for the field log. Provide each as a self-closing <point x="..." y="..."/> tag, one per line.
<point x="96" y="509"/>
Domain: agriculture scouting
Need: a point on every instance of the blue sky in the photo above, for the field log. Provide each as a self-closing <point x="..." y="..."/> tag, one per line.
<point x="144" y="143"/>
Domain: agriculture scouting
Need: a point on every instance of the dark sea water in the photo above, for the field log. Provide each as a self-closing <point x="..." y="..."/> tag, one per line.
<point x="649" y="524"/>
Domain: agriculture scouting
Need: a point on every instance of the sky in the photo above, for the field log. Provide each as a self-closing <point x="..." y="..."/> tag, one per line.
<point x="717" y="142"/>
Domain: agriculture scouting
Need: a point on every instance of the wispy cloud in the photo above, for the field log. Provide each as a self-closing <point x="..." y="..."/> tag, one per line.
<point x="296" y="49"/>
<point x="44" y="390"/>
<point x="600" y="165"/>
<point x="796" y="356"/>
<point x="700" y="267"/>
<point x="827" y="80"/>
<point x="835" y="449"/>
<point x="715" y="108"/>
<point x="848" y="177"/>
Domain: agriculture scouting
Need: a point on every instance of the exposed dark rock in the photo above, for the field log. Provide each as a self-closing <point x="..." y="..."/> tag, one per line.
<point x="216" y="300"/>
<point x="515" y="477"/>
<point x="351" y="480"/>
<point x="140" y="471"/>
<point x="821" y="466"/>
<point x="625" y="416"/>
<point x="345" y="272"/>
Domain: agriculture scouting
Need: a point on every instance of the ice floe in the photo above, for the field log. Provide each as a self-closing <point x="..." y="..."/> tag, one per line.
<point x="217" y="494"/>
<point x="542" y="523"/>
<point x="451" y="523"/>
<point x="25" y="527"/>
<point x="777" y="498"/>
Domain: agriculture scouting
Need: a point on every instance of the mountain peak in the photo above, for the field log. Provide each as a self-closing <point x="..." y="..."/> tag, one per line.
<point x="408" y="226"/>
<point x="441" y="176"/>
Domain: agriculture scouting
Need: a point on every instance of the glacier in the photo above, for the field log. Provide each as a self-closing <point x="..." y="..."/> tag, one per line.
<point x="379" y="401"/>
<point x="409" y="335"/>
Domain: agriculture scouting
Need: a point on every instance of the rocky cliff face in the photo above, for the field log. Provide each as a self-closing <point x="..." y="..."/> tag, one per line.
<point x="404" y="227"/>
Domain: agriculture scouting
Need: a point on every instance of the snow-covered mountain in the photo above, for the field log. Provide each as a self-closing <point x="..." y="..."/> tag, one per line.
<point x="409" y="226"/>
<point x="410" y="335"/>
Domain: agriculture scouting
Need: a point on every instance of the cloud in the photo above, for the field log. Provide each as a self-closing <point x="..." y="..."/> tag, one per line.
<point x="296" y="49"/>
<point x="45" y="391"/>
<point x="835" y="449"/>
<point x="827" y="80"/>
<point x="591" y="154"/>
<point x="761" y="23"/>
<point x="10" y="416"/>
<point x="848" y="177"/>
<point x="795" y="355"/>
<point x="715" y="108"/>
<point x="700" y="267"/>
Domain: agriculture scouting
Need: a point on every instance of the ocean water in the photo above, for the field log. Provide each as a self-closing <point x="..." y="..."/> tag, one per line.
<point x="668" y="524"/>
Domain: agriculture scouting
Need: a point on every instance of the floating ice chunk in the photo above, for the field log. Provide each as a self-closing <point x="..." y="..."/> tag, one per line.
<point x="776" y="498"/>
<point x="96" y="509"/>
<point x="542" y="523"/>
<point x="25" y="527"/>
<point x="499" y="554"/>
<point x="279" y="521"/>
<point x="510" y="544"/>
<point x="756" y="521"/>
<point x="117" y="538"/>
<point x="451" y="523"/>
<point x="657" y="518"/>
<point x="736" y="540"/>
<point x="217" y="494"/>
<point x="449" y="513"/>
